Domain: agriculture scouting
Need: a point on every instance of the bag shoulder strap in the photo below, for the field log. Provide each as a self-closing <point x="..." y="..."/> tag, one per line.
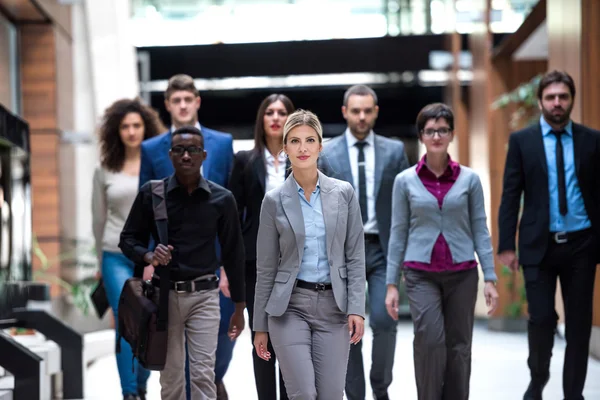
<point x="159" y="206"/>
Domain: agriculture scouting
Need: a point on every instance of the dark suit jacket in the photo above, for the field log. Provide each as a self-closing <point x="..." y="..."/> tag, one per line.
<point x="247" y="183"/>
<point x="156" y="163"/>
<point x="526" y="172"/>
<point x="390" y="160"/>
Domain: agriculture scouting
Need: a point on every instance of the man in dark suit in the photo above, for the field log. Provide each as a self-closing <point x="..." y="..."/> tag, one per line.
<point x="370" y="163"/>
<point x="182" y="100"/>
<point x="556" y="165"/>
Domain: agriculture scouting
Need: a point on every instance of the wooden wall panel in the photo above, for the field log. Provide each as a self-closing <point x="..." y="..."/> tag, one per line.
<point x="23" y="10"/>
<point x="39" y="93"/>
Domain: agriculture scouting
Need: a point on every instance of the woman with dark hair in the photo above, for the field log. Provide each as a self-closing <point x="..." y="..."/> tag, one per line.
<point x="126" y="123"/>
<point x="254" y="173"/>
<point x="438" y="224"/>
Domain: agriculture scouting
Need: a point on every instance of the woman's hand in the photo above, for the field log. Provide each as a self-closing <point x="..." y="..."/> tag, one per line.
<point x="148" y="272"/>
<point x="491" y="296"/>
<point x="260" y="345"/>
<point x="356" y="327"/>
<point x="392" y="298"/>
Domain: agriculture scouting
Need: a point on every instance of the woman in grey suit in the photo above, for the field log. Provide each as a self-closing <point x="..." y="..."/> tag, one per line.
<point x="310" y="287"/>
<point x="438" y="223"/>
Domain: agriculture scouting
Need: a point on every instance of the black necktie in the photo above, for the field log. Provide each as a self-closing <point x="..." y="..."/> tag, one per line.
<point x="362" y="181"/>
<point x="560" y="171"/>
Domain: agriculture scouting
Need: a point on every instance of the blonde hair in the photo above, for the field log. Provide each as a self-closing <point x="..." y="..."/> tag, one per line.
<point x="302" y="118"/>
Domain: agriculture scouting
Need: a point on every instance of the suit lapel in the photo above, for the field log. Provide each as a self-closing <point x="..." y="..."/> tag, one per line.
<point x="329" y="205"/>
<point x="293" y="210"/>
<point x="340" y="160"/>
<point x="209" y="146"/>
<point x="165" y="147"/>
<point x="380" y="156"/>
<point x="260" y="171"/>
<point x="540" y="148"/>
<point x="578" y="147"/>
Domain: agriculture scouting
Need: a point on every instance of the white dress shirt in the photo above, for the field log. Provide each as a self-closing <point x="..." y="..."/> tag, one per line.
<point x="275" y="175"/>
<point x="371" y="225"/>
<point x="197" y="126"/>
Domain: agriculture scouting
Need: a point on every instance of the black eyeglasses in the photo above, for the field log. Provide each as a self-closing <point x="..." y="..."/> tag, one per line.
<point x="443" y="132"/>
<point x="192" y="150"/>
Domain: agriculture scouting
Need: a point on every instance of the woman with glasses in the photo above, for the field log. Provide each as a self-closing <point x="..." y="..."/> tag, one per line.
<point x="254" y="173"/>
<point x="438" y="224"/>
<point x="126" y="123"/>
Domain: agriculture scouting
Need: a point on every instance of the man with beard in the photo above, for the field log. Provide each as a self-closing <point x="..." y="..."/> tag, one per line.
<point x="556" y="165"/>
<point x="370" y="163"/>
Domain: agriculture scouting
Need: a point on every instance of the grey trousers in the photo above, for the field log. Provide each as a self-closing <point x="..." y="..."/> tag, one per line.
<point x="197" y="317"/>
<point x="312" y="342"/>
<point x="442" y="305"/>
<point x="384" y="333"/>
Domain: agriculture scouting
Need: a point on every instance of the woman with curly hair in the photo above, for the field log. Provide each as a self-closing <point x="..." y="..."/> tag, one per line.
<point x="126" y="123"/>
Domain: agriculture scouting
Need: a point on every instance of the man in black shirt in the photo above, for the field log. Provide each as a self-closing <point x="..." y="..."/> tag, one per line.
<point x="198" y="211"/>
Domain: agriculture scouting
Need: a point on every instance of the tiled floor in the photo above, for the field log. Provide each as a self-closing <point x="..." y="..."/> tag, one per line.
<point x="499" y="370"/>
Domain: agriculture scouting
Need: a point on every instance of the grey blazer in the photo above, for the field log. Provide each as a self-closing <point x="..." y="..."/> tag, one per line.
<point x="280" y="246"/>
<point x="417" y="221"/>
<point x="390" y="160"/>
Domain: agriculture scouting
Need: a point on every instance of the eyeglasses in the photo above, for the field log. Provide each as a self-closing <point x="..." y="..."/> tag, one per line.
<point x="443" y="132"/>
<point x="192" y="150"/>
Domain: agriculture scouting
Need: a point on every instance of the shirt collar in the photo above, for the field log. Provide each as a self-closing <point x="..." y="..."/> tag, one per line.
<point x="300" y="190"/>
<point x="197" y="126"/>
<point x="452" y="168"/>
<point x="174" y="184"/>
<point x="269" y="158"/>
<point x="352" y="140"/>
<point x="546" y="128"/>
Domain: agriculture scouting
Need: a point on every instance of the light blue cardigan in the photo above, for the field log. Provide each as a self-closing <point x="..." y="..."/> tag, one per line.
<point x="417" y="221"/>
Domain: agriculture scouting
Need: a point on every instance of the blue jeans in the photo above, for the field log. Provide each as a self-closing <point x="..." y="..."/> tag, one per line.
<point x="224" y="345"/>
<point x="116" y="269"/>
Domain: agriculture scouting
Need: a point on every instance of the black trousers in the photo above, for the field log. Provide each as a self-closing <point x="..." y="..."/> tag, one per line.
<point x="574" y="263"/>
<point x="265" y="374"/>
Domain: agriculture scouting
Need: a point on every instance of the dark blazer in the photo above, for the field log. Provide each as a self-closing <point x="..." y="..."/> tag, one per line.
<point x="390" y="160"/>
<point x="248" y="183"/>
<point x="217" y="166"/>
<point x="526" y="171"/>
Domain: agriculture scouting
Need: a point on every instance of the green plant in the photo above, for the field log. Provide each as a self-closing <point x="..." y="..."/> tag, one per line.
<point x="518" y="300"/>
<point x="79" y="291"/>
<point x="524" y="98"/>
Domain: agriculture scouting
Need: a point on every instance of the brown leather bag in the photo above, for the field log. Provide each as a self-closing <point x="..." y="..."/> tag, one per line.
<point x="143" y="308"/>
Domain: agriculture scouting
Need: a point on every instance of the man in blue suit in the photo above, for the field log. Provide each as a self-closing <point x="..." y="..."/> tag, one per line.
<point x="183" y="102"/>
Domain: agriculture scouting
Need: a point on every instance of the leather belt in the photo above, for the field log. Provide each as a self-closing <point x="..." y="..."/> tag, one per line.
<point x="565" y="237"/>
<point x="317" y="286"/>
<point x="190" y="286"/>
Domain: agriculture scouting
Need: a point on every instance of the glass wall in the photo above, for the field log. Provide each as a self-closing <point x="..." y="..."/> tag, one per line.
<point x="193" y="22"/>
<point x="9" y="87"/>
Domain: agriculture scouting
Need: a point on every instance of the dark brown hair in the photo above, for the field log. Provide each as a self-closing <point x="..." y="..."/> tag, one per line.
<point x="434" y="111"/>
<point x="112" y="149"/>
<point x="259" y="126"/>
<point x="556" y="77"/>
<point x="180" y="82"/>
<point x="359" y="90"/>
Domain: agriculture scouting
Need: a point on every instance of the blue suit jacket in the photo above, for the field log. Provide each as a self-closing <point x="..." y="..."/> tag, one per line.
<point x="156" y="163"/>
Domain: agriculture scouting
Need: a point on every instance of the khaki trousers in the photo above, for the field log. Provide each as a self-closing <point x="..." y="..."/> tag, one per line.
<point x="195" y="316"/>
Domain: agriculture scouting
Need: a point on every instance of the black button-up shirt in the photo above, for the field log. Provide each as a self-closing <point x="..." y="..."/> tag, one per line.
<point x="195" y="221"/>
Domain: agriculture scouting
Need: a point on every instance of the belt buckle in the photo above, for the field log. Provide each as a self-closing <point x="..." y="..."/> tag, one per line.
<point x="320" y="287"/>
<point x="177" y="287"/>
<point x="560" y="237"/>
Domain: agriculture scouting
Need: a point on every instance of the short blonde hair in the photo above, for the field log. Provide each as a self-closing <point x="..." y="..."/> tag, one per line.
<point x="300" y="118"/>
